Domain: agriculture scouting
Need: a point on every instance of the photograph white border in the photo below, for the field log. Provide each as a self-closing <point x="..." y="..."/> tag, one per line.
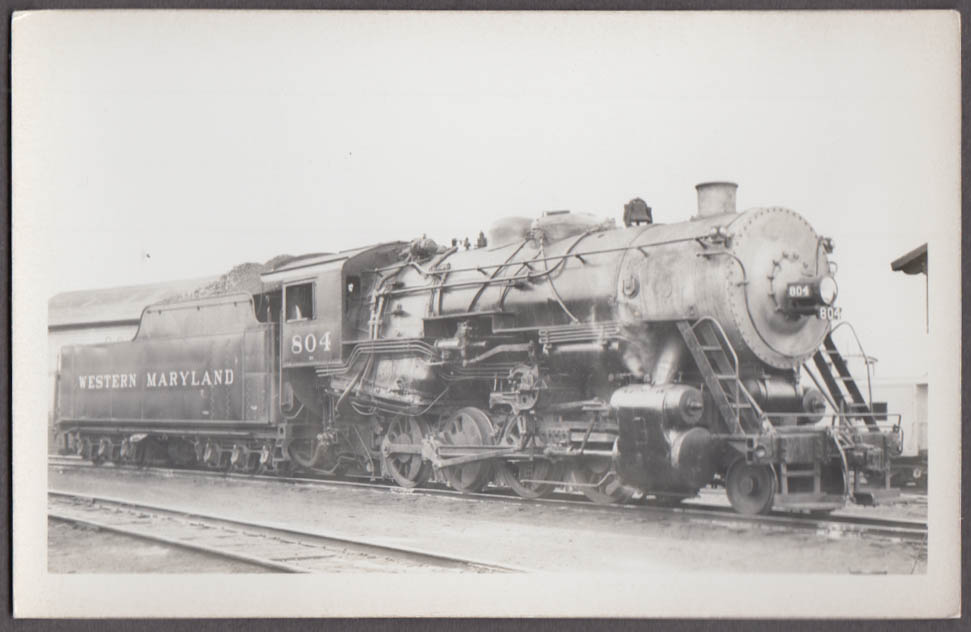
<point x="588" y="594"/>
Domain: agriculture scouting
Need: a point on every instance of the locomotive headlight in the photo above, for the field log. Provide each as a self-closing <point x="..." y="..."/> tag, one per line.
<point x="803" y="298"/>
<point x="828" y="290"/>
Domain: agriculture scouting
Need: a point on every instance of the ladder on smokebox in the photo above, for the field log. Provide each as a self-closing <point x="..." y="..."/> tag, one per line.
<point x="842" y="386"/>
<point x="718" y="363"/>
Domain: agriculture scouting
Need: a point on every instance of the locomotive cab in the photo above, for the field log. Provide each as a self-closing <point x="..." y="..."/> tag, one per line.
<point x="321" y="299"/>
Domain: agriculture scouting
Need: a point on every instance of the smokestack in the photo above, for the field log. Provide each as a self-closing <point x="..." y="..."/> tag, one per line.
<point x="715" y="198"/>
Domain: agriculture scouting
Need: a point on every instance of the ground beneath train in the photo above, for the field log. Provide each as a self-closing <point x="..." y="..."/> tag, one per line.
<point x="536" y="536"/>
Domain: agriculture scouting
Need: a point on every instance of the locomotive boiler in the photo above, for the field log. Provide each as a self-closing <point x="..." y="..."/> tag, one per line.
<point x="642" y="360"/>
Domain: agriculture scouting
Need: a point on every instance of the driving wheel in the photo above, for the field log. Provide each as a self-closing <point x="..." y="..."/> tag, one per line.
<point x="527" y="478"/>
<point x="751" y="488"/>
<point x="406" y="467"/>
<point x="469" y="427"/>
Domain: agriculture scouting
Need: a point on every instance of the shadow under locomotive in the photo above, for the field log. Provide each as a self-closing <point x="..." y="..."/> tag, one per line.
<point x="652" y="358"/>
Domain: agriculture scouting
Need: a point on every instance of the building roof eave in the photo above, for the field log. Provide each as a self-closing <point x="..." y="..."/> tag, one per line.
<point x="914" y="262"/>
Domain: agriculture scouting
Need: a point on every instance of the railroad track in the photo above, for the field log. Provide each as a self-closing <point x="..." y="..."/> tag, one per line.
<point x="275" y="547"/>
<point x="831" y="525"/>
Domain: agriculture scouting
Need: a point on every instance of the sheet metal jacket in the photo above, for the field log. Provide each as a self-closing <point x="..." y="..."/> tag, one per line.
<point x="731" y="266"/>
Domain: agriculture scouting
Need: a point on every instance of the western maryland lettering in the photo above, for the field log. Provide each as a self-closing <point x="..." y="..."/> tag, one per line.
<point x="170" y="379"/>
<point x="158" y="379"/>
<point x="107" y="380"/>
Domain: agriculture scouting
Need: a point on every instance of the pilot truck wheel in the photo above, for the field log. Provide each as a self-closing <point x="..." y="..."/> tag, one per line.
<point x="751" y="488"/>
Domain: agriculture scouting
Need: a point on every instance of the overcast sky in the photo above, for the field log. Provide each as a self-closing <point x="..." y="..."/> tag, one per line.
<point x="151" y="146"/>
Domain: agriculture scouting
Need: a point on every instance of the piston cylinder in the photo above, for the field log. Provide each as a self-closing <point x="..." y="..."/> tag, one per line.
<point x="661" y="444"/>
<point x="691" y="455"/>
<point x="674" y="404"/>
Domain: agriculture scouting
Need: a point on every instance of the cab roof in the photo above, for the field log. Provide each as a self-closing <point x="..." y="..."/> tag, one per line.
<point x="302" y="267"/>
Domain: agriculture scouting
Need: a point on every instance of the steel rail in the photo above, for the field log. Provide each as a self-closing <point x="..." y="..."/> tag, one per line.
<point x="313" y="539"/>
<point x="177" y="543"/>
<point x="904" y="529"/>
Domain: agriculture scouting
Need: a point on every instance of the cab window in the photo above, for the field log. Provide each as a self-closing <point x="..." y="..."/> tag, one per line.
<point x="299" y="302"/>
<point x="352" y="289"/>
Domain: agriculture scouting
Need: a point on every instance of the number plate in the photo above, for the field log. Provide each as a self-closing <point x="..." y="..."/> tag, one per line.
<point x="304" y="347"/>
<point x="801" y="290"/>
<point x="830" y="313"/>
<point x="309" y="343"/>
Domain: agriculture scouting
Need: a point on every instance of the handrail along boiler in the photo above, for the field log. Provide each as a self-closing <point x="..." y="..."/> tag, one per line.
<point x="650" y="359"/>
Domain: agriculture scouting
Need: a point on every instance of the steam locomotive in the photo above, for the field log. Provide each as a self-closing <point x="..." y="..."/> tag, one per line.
<point x="648" y="360"/>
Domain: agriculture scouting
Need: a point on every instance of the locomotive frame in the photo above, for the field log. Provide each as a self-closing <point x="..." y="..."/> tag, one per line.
<point x="406" y="360"/>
